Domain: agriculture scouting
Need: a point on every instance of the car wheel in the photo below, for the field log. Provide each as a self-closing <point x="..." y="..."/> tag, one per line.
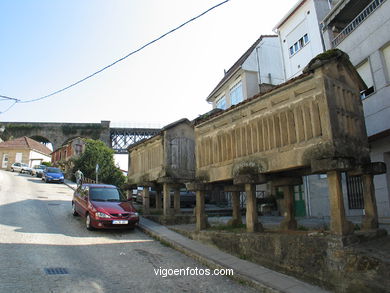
<point x="12" y="170"/>
<point x="74" y="213"/>
<point x="88" y="223"/>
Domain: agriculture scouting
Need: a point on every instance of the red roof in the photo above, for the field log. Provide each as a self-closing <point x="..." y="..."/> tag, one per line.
<point x="25" y="143"/>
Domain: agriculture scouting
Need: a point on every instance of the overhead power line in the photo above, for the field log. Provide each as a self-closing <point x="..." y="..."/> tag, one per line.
<point x="15" y="100"/>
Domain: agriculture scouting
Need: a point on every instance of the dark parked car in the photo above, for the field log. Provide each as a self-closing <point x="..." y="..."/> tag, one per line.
<point x="103" y="206"/>
<point x="187" y="198"/>
<point x="51" y="174"/>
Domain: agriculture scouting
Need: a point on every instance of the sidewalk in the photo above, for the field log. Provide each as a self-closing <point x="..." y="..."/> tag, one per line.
<point x="70" y="184"/>
<point x="258" y="276"/>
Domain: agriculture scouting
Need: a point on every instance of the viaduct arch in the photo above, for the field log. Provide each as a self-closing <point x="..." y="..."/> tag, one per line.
<point x="57" y="133"/>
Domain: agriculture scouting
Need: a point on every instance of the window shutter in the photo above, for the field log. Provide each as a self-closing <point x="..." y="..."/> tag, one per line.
<point x="364" y="71"/>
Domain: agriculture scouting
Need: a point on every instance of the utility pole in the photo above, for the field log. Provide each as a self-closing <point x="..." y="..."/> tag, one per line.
<point x="97" y="172"/>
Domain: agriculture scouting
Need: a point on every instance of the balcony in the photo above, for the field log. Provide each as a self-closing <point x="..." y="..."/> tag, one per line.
<point x="341" y="22"/>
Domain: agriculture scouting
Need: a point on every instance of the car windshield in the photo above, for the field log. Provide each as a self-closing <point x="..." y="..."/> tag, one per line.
<point x="53" y="170"/>
<point x="105" y="194"/>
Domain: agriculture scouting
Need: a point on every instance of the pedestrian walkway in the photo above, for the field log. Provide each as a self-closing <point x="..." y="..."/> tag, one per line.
<point x="70" y="184"/>
<point x="256" y="275"/>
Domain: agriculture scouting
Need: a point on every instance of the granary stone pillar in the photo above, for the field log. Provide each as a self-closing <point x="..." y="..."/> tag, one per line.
<point x="289" y="222"/>
<point x="367" y="171"/>
<point x="252" y="220"/>
<point x="201" y="220"/>
<point x="287" y="183"/>
<point x="166" y="199"/>
<point x="158" y="199"/>
<point x="236" y="215"/>
<point x="176" y="200"/>
<point x="236" y="211"/>
<point x="129" y="194"/>
<point x="338" y="223"/>
<point x="370" y="220"/>
<point x="145" y="200"/>
<point x="200" y="215"/>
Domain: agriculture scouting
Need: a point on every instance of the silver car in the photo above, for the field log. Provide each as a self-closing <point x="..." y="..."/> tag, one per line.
<point x="20" y="167"/>
<point x="37" y="170"/>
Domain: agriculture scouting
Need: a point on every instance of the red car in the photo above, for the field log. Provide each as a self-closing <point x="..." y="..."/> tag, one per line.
<point x="103" y="206"/>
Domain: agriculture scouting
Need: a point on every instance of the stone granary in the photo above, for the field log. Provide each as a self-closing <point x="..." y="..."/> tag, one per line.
<point x="164" y="162"/>
<point x="311" y="124"/>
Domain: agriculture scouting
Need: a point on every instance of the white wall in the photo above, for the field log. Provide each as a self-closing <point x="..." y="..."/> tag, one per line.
<point x="36" y="157"/>
<point x="122" y="160"/>
<point x="266" y="57"/>
<point x="365" y="43"/>
<point x="304" y="20"/>
<point x="380" y="152"/>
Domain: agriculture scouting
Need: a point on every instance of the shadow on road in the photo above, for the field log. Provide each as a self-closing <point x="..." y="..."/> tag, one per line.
<point x="42" y="215"/>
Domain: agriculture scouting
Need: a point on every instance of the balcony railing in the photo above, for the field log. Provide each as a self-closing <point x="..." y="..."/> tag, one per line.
<point x="356" y="22"/>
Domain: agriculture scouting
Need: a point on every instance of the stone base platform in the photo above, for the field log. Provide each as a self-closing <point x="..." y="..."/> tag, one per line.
<point x="356" y="263"/>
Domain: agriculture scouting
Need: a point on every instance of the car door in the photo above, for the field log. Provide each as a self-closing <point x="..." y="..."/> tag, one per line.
<point x="17" y="167"/>
<point x="76" y="199"/>
<point x="83" y="200"/>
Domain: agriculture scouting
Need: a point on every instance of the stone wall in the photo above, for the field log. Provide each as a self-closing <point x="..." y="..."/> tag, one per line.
<point x="58" y="133"/>
<point x="314" y="257"/>
<point x="146" y="161"/>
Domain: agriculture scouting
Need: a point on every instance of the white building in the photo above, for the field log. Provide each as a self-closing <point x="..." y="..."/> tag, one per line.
<point x="361" y="29"/>
<point x="300" y="34"/>
<point x="256" y="71"/>
<point x="23" y="150"/>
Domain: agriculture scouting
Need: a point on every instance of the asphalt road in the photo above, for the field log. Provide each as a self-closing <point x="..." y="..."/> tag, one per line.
<point x="38" y="233"/>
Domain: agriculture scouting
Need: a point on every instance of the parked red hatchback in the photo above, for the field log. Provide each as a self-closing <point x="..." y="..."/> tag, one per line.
<point x="103" y="207"/>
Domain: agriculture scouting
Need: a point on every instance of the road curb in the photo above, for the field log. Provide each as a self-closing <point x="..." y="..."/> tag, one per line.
<point x="241" y="278"/>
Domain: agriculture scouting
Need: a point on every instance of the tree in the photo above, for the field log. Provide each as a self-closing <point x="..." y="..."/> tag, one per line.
<point x="48" y="164"/>
<point x="96" y="152"/>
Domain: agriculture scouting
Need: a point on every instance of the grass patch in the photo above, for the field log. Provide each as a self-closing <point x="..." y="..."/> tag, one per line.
<point x="140" y="211"/>
<point x="302" y="228"/>
<point x="228" y="228"/>
<point x="243" y="257"/>
<point x="156" y="212"/>
<point x="165" y="243"/>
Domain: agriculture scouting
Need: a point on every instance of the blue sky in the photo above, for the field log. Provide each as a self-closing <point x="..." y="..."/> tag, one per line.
<point x="47" y="45"/>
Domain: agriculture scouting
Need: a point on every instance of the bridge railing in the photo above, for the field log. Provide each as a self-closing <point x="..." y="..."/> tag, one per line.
<point x="89" y="181"/>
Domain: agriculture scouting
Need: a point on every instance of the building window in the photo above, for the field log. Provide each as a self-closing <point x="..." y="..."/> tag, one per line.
<point x="299" y="45"/>
<point x="386" y="58"/>
<point x="364" y="71"/>
<point x="78" y="149"/>
<point x="236" y="95"/>
<point x="221" y="103"/>
<point x="305" y="39"/>
<point x="18" y="157"/>
<point x="355" y="192"/>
